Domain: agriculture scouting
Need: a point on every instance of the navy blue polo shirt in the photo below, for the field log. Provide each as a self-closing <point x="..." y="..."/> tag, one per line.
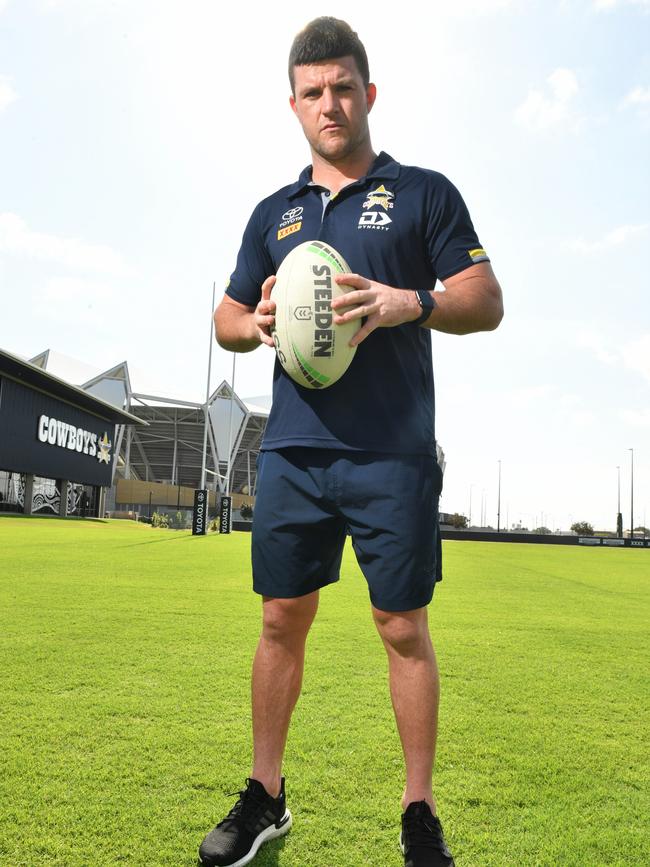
<point x="403" y="226"/>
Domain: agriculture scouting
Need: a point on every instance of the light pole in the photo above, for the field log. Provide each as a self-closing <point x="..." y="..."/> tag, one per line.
<point x="499" y="502"/>
<point x="204" y="460"/>
<point x="631" y="451"/>
<point x="469" y="520"/>
<point x="619" y="516"/>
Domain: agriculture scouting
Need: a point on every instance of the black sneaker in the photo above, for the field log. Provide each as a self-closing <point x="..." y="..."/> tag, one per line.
<point x="422" y="841"/>
<point x="255" y="818"/>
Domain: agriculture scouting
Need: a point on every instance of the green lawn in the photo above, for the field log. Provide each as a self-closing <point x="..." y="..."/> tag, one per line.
<point x="124" y="662"/>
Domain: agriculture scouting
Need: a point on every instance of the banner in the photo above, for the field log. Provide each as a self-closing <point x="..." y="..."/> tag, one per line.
<point x="225" y="509"/>
<point x="200" y="513"/>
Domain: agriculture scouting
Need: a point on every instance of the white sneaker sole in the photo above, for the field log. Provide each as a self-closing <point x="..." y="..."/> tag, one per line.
<point x="269" y="834"/>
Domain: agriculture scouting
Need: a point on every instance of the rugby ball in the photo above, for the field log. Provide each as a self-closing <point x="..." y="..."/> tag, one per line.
<point x="310" y="347"/>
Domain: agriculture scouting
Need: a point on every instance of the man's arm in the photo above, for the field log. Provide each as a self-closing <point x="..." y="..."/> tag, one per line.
<point x="240" y="328"/>
<point x="472" y="301"/>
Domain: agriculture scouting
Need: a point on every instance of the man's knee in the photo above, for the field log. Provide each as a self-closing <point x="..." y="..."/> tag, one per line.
<point x="288" y="619"/>
<point x="405" y="632"/>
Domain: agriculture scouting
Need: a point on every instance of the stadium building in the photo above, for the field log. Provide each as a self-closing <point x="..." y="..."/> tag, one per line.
<point x="56" y="442"/>
<point x="158" y="439"/>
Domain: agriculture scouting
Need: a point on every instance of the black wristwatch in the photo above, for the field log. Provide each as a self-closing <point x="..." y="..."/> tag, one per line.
<point x="426" y="302"/>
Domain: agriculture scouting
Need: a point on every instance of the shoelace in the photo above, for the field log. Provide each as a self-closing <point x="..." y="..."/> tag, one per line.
<point x="421" y="832"/>
<point x="248" y="808"/>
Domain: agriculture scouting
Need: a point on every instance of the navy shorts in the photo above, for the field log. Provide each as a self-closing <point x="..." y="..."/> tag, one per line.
<point x="308" y="499"/>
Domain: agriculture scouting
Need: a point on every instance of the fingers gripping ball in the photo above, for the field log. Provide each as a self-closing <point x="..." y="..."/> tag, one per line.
<point x="310" y="347"/>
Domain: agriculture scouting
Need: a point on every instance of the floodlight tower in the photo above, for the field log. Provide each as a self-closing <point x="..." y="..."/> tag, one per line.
<point x="619" y="516"/>
<point x="204" y="460"/>
<point x="631" y="451"/>
<point x="499" y="502"/>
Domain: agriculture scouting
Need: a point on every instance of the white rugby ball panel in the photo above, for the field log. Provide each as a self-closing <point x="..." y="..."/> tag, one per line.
<point x="310" y="347"/>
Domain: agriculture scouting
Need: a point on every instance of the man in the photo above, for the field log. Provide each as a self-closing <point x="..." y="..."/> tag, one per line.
<point x="360" y="455"/>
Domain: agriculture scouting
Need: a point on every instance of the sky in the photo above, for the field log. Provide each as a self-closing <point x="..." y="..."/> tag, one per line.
<point x="136" y="138"/>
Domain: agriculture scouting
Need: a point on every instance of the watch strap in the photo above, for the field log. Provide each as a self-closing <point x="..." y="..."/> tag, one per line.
<point x="426" y="302"/>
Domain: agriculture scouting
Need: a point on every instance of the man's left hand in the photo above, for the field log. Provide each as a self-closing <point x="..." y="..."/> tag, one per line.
<point x="384" y="306"/>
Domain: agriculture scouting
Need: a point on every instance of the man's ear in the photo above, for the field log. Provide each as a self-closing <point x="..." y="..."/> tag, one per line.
<point x="371" y="96"/>
<point x="292" y="103"/>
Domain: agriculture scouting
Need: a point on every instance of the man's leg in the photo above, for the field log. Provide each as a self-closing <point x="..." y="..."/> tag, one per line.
<point x="277" y="679"/>
<point x="414" y="689"/>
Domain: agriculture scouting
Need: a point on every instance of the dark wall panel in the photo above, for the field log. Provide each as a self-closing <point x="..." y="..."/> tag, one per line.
<point x="21" y="450"/>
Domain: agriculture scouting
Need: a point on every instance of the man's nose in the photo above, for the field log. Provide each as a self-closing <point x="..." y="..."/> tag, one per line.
<point x="330" y="101"/>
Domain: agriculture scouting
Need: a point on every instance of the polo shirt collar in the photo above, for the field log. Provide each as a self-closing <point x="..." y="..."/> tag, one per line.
<point x="384" y="167"/>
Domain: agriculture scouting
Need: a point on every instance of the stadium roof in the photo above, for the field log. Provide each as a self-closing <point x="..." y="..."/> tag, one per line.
<point x="34" y="376"/>
<point x="171" y="447"/>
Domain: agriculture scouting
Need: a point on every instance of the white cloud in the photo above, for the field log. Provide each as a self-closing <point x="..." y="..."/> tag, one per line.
<point x="17" y="238"/>
<point x="636" y="355"/>
<point x="567" y="407"/>
<point x="612" y="4"/>
<point x="598" y="345"/>
<point x="638" y="96"/>
<point x="633" y="355"/>
<point x="7" y="93"/>
<point x="638" y="100"/>
<point x="477" y="7"/>
<point x="637" y="417"/>
<point x="616" y="238"/>
<point x="553" y="106"/>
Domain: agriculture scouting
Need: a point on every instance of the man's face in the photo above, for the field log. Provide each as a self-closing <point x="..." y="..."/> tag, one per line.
<point x="332" y="105"/>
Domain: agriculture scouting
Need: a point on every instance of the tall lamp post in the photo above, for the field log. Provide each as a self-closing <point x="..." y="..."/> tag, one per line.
<point x="619" y="516"/>
<point x="631" y="451"/>
<point x="469" y="521"/>
<point x="499" y="502"/>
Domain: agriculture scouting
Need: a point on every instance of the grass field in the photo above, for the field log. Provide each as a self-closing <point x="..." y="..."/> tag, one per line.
<point x="124" y="661"/>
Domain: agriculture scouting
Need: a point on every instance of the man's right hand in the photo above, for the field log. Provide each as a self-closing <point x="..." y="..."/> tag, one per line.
<point x="265" y="312"/>
<point x="240" y="327"/>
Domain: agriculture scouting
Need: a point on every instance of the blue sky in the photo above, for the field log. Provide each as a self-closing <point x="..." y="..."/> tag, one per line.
<point x="136" y="137"/>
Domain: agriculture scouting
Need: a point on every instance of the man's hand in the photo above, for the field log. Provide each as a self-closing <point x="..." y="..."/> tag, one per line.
<point x="383" y="305"/>
<point x="265" y="313"/>
<point x="240" y="327"/>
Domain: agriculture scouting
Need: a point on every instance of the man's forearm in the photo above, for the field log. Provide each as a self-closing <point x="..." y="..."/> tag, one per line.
<point x="235" y="330"/>
<point x="464" y="311"/>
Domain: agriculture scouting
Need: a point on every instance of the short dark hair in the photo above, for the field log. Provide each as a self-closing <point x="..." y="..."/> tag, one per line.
<point x="327" y="38"/>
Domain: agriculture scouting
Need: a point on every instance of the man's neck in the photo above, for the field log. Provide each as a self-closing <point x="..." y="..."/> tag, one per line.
<point x="335" y="176"/>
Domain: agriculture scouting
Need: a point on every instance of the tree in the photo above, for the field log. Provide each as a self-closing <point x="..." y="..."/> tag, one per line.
<point x="582" y="528"/>
<point x="542" y="531"/>
<point x="458" y="521"/>
<point x="642" y="531"/>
